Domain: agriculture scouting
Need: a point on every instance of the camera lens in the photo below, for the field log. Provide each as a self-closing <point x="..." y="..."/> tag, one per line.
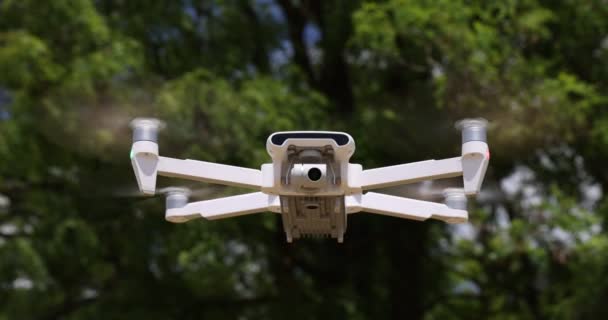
<point x="314" y="174"/>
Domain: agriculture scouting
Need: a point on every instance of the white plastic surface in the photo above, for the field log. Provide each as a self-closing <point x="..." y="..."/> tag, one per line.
<point x="353" y="182"/>
<point x="475" y="158"/>
<point x="144" y="159"/>
<point x="404" y="208"/>
<point x="226" y="207"/>
<point x="267" y="177"/>
<point x="410" y="173"/>
<point x="210" y="172"/>
<point x="279" y="154"/>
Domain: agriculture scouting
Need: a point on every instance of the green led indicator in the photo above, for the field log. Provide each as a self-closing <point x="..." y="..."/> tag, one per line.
<point x="131" y="154"/>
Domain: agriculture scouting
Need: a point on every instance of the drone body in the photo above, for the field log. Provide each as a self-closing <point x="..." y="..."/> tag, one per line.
<point x="310" y="181"/>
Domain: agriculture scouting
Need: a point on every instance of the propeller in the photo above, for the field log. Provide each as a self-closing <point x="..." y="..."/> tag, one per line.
<point x="195" y="193"/>
<point x="430" y="190"/>
<point x="433" y="190"/>
<point x="97" y="123"/>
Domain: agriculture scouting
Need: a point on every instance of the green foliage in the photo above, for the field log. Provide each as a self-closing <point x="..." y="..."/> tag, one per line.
<point x="233" y="120"/>
<point x="224" y="75"/>
<point x="25" y="60"/>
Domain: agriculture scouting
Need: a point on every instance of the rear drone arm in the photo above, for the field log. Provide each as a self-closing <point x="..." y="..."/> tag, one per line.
<point x="178" y="210"/>
<point x="454" y="211"/>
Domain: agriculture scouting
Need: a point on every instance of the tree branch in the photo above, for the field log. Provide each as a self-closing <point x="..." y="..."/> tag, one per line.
<point x="296" y="22"/>
<point x="259" y="54"/>
<point x="334" y="79"/>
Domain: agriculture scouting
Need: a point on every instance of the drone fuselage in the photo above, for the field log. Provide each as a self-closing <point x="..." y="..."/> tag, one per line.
<point x="309" y="172"/>
<point x="310" y="181"/>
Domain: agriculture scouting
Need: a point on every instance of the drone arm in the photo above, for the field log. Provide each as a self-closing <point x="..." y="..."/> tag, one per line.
<point x="210" y="172"/>
<point x="144" y="158"/>
<point x="404" y="208"/>
<point x="410" y="173"/>
<point x="471" y="166"/>
<point x="227" y="207"/>
<point x="475" y="159"/>
<point x="147" y="165"/>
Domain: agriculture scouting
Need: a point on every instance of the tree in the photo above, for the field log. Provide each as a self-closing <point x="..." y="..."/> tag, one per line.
<point x="226" y="74"/>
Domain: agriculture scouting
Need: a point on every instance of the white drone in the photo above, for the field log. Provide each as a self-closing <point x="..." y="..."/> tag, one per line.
<point x="310" y="181"/>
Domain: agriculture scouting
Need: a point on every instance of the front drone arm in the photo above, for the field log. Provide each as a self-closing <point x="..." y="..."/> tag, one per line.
<point x="410" y="173"/>
<point x="210" y="172"/>
<point x="472" y="165"/>
<point x="147" y="163"/>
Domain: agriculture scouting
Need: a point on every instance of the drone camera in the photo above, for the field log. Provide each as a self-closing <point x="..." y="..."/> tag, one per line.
<point x="314" y="174"/>
<point x="309" y="176"/>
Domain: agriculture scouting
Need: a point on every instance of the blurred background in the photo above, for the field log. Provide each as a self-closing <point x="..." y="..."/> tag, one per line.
<point x="77" y="242"/>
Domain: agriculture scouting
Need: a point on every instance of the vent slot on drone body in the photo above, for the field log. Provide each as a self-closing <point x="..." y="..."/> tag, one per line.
<point x="308" y="216"/>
